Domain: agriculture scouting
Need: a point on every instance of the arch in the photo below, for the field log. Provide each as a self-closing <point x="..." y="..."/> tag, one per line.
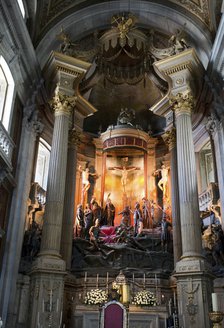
<point x="150" y="15"/>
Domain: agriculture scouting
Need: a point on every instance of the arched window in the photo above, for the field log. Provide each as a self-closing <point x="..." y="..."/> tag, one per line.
<point x="21" y="6"/>
<point x="6" y="93"/>
<point x="42" y="165"/>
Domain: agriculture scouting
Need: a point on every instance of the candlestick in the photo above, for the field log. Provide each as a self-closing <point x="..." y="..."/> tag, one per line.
<point x="214" y="302"/>
<point x="169" y="305"/>
<point x="50" y="303"/>
<point x="174" y="299"/>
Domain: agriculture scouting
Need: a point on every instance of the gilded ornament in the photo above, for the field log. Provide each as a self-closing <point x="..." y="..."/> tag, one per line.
<point x="170" y="138"/>
<point x="182" y="102"/>
<point x="62" y="104"/>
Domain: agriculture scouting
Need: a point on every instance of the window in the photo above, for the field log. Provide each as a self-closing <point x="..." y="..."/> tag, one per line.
<point x="6" y="93"/>
<point x="42" y="165"/>
<point x="21" y="6"/>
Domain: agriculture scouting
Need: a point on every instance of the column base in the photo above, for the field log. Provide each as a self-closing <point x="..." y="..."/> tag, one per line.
<point x="47" y="291"/>
<point x="194" y="288"/>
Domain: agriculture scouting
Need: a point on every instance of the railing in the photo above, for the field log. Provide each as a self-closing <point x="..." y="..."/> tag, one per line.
<point x="6" y="146"/>
<point x="208" y="197"/>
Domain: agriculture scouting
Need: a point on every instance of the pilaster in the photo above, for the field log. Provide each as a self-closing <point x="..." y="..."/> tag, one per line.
<point x="69" y="202"/>
<point x="216" y="130"/>
<point x="170" y="139"/>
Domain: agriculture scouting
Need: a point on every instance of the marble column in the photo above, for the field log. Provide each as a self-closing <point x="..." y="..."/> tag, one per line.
<point x="184" y="73"/>
<point x="51" y="238"/>
<point x="47" y="276"/>
<point x="31" y="126"/>
<point x="187" y="177"/>
<point x="69" y="202"/>
<point x="192" y="272"/>
<point x="170" y="139"/>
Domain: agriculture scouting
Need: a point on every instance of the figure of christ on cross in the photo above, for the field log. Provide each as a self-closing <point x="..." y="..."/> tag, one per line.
<point x="124" y="173"/>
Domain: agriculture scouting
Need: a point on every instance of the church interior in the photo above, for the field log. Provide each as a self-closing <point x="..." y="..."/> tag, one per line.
<point x="111" y="164"/>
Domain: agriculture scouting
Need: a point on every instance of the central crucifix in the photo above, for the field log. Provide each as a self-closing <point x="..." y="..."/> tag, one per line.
<point x="124" y="172"/>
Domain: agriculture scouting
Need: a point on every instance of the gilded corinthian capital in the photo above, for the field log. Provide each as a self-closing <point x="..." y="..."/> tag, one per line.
<point x="62" y="104"/>
<point x="182" y="103"/>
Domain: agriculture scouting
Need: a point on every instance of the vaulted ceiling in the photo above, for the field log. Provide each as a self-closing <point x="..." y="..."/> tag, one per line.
<point x="196" y="19"/>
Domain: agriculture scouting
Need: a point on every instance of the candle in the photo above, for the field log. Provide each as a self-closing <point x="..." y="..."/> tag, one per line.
<point x="60" y="319"/>
<point x="133" y="277"/>
<point x="174" y="299"/>
<point x="107" y="277"/>
<point x="169" y="305"/>
<point x="57" y="304"/>
<point x="43" y="306"/>
<point x="125" y="293"/>
<point x="144" y="279"/>
<point x="38" y="319"/>
<point x="214" y="302"/>
<point x="85" y="279"/>
<point x="156" y="280"/>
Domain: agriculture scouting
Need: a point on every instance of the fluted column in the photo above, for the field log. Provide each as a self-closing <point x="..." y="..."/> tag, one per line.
<point x="170" y="138"/>
<point x="52" y="227"/>
<point x="184" y="72"/>
<point x="69" y="202"/>
<point x="188" y="193"/>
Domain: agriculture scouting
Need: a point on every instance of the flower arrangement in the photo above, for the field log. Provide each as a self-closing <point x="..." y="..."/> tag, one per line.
<point x="144" y="298"/>
<point x="96" y="296"/>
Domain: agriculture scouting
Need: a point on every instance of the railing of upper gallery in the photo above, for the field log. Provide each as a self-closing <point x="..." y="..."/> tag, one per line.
<point x="6" y="147"/>
<point x="209" y="197"/>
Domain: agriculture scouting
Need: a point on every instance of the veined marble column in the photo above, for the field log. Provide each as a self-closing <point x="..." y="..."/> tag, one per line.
<point x="31" y="126"/>
<point x="188" y="193"/>
<point x="69" y="202"/>
<point x="170" y="139"/>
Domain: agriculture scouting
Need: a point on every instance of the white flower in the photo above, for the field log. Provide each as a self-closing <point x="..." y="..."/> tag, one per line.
<point x="144" y="298"/>
<point x="96" y="296"/>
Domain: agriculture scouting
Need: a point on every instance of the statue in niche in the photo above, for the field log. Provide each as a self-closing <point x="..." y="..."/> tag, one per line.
<point x="126" y="116"/>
